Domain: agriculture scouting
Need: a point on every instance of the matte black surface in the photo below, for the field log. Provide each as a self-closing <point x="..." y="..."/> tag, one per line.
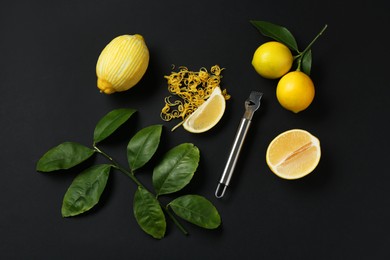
<point x="48" y="95"/>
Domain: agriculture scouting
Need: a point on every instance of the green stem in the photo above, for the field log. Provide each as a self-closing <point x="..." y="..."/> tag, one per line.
<point x="299" y="62"/>
<point x="301" y="54"/>
<point x="312" y="42"/>
<point x="175" y="220"/>
<point x="132" y="176"/>
<point x="117" y="166"/>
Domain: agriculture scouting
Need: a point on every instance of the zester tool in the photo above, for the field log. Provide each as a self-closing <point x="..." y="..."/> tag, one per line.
<point x="251" y="105"/>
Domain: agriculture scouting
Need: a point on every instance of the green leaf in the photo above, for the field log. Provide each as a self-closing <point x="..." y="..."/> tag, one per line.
<point x="64" y="156"/>
<point x="196" y="210"/>
<point x="143" y="145"/>
<point x="306" y="62"/>
<point x="149" y="214"/>
<point x="276" y="32"/>
<point x="111" y="122"/>
<point x="176" y="169"/>
<point x="85" y="190"/>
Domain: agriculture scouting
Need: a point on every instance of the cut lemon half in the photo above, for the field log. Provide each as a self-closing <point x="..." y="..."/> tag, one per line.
<point x="293" y="154"/>
<point x="206" y="115"/>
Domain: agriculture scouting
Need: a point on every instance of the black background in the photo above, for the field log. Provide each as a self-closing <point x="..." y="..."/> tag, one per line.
<point x="48" y="95"/>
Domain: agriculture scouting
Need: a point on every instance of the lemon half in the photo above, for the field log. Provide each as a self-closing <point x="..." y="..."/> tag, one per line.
<point x="293" y="154"/>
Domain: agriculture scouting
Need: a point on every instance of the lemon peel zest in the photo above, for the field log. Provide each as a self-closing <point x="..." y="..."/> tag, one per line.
<point x="191" y="89"/>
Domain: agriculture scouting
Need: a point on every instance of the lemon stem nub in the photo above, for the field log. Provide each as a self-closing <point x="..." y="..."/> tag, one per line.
<point x="105" y="86"/>
<point x="299" y="62"/>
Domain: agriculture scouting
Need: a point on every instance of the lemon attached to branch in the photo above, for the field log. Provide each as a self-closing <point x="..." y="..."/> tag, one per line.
<point x="295" y="91"/>
<point x="272" y="60"/>
<point x="122" y="63"/>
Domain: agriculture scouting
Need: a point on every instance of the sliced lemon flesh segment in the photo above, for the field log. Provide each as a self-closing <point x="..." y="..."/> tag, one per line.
<point x="293" y="154"/>
<point x="208" y="114"/>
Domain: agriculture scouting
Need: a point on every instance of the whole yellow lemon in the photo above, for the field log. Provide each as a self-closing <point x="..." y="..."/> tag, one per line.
<point x="272" y="60"/>
<point x="122" y="63"/>
<point x="295" y="91"/>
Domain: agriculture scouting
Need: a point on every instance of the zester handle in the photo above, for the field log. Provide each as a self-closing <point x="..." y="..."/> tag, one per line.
<point x="233" y="157"/>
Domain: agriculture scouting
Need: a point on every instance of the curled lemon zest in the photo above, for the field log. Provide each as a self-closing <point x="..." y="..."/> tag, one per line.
<point x="191" y="89"/>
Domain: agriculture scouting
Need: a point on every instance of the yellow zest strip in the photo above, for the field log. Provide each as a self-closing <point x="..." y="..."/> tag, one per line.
<point x="191" y="90"/>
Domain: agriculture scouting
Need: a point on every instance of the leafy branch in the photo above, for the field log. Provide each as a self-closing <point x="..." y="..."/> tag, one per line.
<point x="281" y="34"/>
<point x="174" y="171"/>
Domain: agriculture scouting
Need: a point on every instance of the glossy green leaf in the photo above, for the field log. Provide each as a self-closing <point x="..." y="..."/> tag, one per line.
<point x="85" y="190"/>
<point x="276" y="32"/>
<point x="143" y="145"/>
<point x="149" y="214"/>
<point x="196" y="210"/>
<point x="306" y="62"/>
<point x="64" y="156"/>
<point x="176" y="169"/>
<point x="111" y="122"/>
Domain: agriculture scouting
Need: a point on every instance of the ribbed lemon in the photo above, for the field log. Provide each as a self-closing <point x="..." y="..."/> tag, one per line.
<point x="122" y="63"/>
